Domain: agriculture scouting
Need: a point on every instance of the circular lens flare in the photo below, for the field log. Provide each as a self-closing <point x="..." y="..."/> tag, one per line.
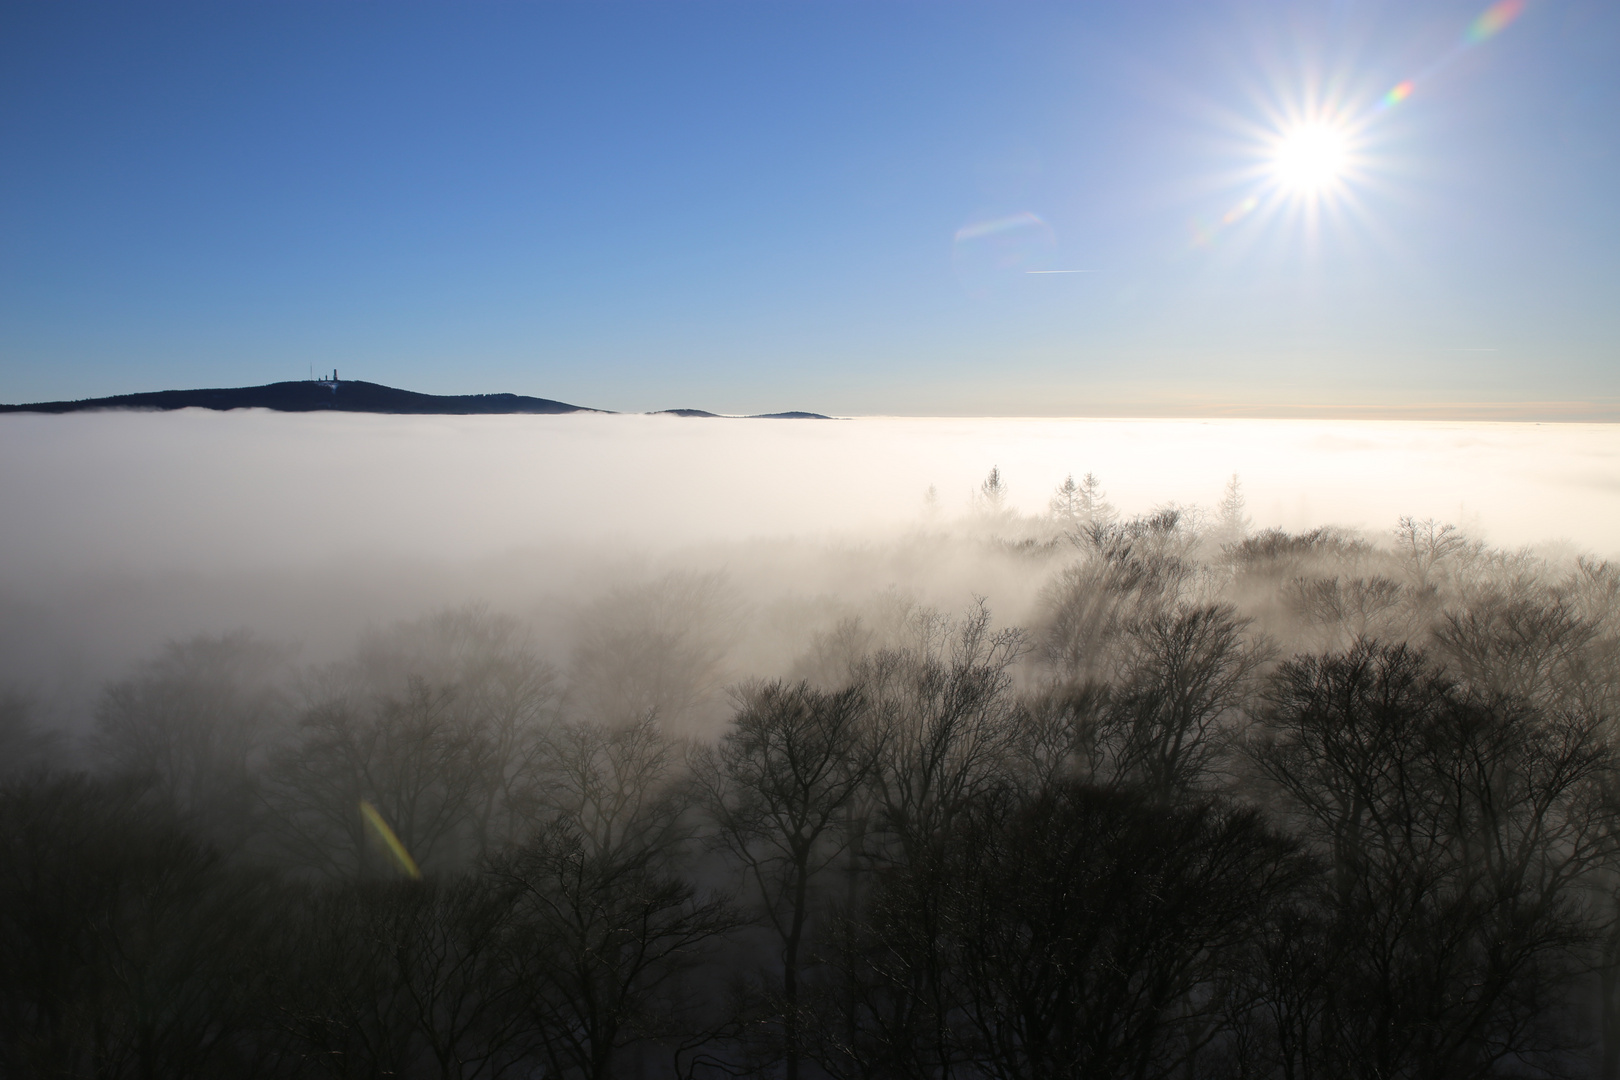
<point x="1310" y="158"/>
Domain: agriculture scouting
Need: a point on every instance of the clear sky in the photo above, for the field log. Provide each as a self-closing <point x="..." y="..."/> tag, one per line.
<point x="1342" y="207"/>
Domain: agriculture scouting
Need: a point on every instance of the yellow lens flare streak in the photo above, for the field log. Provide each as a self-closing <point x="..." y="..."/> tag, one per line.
<point x="374" y="819"/>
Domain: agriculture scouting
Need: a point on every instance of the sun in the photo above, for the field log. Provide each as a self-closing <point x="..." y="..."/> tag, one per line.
<point x="1310" y="159"/>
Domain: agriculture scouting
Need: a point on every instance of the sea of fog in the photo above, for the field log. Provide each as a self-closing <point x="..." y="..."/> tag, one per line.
<point x="121" y="530"/>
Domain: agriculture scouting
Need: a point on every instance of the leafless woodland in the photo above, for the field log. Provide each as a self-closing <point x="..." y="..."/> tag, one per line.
<point x="1230" y="804"/>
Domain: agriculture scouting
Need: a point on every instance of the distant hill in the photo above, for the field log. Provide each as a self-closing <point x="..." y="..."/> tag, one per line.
<point x="754" y="416"/>
<point x="332" y="395"/>
<point x="328" y="395"/>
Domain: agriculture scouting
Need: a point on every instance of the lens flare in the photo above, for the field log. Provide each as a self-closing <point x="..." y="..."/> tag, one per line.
<point x="1240" y="211"/>
<point x="374" y="819"/>
<point x="1397" y="94"/>
<point x="1494" y="19"/>
<point x="1204" y="233"/>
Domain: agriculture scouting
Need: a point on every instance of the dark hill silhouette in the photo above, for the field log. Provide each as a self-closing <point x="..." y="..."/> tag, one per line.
<point x="332" y="395"/>
<point x="754" y="416"/>
<point x="313" y="396"/>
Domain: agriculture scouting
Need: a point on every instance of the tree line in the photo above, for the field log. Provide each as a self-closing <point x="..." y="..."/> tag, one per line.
<point x="1274" y="805"/>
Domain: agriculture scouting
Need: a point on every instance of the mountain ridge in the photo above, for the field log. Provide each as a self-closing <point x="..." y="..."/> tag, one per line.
<point x="334" y="395"/>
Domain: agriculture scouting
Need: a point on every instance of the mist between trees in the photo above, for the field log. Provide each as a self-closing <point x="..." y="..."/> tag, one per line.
<point x="1221" y="804"/>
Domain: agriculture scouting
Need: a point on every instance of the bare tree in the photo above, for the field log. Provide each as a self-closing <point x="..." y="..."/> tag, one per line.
<point x="617" y="786"/>
<point x="657" y="648"/>
<point x="943" y="734"/>
<point x="1457" y="829"/>
<point x="1085" y="932"/>
<point x="127" y="947"/>
<point x="940" y="722"/>
<point x="1189" y="671"/>
<point x="1532" y="646"/>
<point x="383" y="978"/>
<point x="596" y="944"/>
<point x="777" y="790"/>
<point x="1426" y="546"/>
<point x="1063" y="734"/>
<point x="194" y="723"/>
<point x="412" y="758"/>
<point x="1336" y="612"/>
<point x="502" y="694"/>
<point x="1125" y="575"/>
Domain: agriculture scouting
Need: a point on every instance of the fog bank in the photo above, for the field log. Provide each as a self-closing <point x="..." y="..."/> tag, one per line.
<point x="123" y="530"/>
<point x="201" y="491"/>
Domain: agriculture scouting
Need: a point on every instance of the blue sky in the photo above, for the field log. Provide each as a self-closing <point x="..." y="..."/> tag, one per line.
<point x="750" y="206"/>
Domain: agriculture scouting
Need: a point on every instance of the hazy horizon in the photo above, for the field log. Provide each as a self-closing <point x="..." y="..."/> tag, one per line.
<point x="1183" y="404"/>
<point x="348" y="477"/>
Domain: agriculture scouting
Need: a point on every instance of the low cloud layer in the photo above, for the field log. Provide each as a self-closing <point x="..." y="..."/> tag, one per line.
<point x="229" y="492"/>
<point x="123" y="530"/>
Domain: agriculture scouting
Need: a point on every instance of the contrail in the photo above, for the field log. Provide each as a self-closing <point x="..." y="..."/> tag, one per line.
<point x="1062" y="271"/>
